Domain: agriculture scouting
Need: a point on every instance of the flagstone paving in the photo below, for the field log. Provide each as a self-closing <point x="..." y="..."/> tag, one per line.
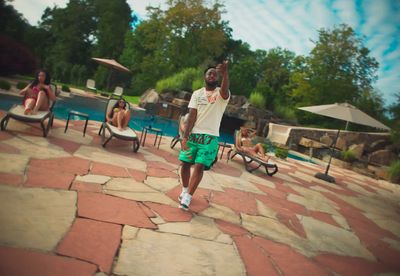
<point x="68" y="206"/>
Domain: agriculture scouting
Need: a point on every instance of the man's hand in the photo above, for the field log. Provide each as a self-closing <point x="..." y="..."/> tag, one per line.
<point x="184" y="144"/>
<point x="222" y="68"/>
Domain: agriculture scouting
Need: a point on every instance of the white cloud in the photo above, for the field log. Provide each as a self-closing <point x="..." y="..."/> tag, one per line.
<point x="33" y="9"/>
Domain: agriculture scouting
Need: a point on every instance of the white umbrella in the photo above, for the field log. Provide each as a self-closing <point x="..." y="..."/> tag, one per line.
<point x="345" y="112"/>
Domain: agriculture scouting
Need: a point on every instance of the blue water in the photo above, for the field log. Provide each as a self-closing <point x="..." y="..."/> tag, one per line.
<point x="95" y="108"/>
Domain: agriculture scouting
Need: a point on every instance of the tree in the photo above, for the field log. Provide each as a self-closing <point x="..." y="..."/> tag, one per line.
<point x="188" y="34"/>
<point x="71" y="31"/>
<point x="112" y="22"/>
<point x="340" y="66"/>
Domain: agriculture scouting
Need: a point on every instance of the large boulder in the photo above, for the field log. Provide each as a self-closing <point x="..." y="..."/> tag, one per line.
<point x="325" y="139"/>
<point x="184" y="95"/>
<point x="357" y="150"/>
<point x="378" y="145"/>
<point x="150" y="96"/>
<point x="382" y="157"/>
<point x="341" y="144"/>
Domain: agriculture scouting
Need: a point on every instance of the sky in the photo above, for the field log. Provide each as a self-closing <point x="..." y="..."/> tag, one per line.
<point x="293" y="24"/>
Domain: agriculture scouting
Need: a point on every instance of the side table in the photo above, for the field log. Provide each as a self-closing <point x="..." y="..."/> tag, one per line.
<point x="157" y="131"/>
<point x="79" y="114"/>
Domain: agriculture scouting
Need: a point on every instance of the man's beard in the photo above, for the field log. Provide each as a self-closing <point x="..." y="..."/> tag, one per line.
<point x="212" y="84"/>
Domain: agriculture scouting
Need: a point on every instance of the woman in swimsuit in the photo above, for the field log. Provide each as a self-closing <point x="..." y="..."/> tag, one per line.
<point x="244" y="143"/>
<point x="119" y="116"/>
<point x="37" y="94"/>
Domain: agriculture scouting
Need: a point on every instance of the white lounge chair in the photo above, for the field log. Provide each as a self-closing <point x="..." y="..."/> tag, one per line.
<point x="91" y="85"/>
<point x="17" y="113"/>
<point x="118" y="91"/>
<point x="127" y="134"/>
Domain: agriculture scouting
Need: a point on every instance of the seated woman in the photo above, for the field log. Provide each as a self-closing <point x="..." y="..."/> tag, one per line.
<point x="38" y="93"/>
<point x="119" y="116"/>
<point x="244" y="143"/>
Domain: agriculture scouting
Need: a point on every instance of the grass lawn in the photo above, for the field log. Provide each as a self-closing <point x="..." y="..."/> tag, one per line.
<point x="132" y="99"/>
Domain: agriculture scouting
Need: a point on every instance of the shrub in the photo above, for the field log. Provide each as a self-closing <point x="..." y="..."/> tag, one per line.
<point x="348" y="156"/>
<point x="180" y="81"/>
<point x="281" y="153"/>
<point x="5" y="85"/>
<point x="394" y="172"/>
<point x="65" y="88"/>
<point x="257" y="99"/>
<point x="21" y="85"/>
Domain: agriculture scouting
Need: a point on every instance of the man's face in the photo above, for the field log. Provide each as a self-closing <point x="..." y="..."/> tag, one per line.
<point x="211" y="77"/>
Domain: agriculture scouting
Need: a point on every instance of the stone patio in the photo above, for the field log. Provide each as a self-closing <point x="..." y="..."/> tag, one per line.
<point x="72" y="207"/>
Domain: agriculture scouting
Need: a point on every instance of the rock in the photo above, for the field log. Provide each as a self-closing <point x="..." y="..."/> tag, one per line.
<point x="382" y="157"/>
<point x="167" y="96"/>
<point x="238" y="100"/>
<point x="180" y="102"/>
<point x="341" y="144"/>
<point x="325" y="139"/>
<point x="150" y="96"/>
<point x="309" y="143"/>
<point x="357" y="150"/>
<point x="184" y="95"/>
<point x="340" y="163"/>
<point x="381" y="172"/>
<point x="378" y="145"/>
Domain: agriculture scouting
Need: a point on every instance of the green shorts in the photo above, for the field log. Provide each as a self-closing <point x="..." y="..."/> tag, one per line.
<point x="203" y="149"/>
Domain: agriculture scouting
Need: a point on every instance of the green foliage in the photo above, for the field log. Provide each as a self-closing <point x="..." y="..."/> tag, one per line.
<point x="188" y="34"/>
<point x="285" y="111"/>
<point x="257" y="99"/>
<point x="65" y="88"/>
<point x="394" y="172"/>
<point x="180" y="81"/>
<point x="5" y="85"/>
<point x="132" y="99"/>
<point x="348" y="156"/>
<point x="21" y="85"/>
<point x="340" y="67"/>
<point x="197" y="84"/>
<point x="281" y="153"/>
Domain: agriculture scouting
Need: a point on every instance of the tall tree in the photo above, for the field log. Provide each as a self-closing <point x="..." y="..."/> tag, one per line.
<point x="187" y="34"/>
<point x="71" y="35"/>
<point x="113" y="20"/>
<point x="340" y="66"/>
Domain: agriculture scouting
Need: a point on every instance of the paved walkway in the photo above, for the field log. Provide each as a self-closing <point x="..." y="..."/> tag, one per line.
<point x="70" y="207"/>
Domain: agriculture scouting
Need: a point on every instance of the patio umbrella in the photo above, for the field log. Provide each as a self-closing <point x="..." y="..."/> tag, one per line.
<point x="345" y="112"/>
<point x="113" y="64"/>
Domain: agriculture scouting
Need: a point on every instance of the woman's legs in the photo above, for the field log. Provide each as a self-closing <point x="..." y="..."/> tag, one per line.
<point x="29" y="105"/>
<point x="259" y="149"/>
<point x="42" y="102"/>
<point x="127" y="117"/>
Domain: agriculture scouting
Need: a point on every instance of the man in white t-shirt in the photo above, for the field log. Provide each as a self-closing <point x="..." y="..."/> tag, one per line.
<point x="200" y="139"/>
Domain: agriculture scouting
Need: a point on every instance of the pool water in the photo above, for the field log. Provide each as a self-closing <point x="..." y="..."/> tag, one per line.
<point x="95" y="109"/>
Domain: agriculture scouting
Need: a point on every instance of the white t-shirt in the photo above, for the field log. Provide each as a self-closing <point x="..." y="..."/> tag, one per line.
<point x="210" y="108"/>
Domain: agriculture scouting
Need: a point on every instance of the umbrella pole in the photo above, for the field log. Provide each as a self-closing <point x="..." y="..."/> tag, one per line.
<point x="325" y="176"/>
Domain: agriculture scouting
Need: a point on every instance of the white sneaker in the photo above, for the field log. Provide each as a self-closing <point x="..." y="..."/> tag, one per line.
<point x="185" y="202"/>
<point x="181" y="196"/>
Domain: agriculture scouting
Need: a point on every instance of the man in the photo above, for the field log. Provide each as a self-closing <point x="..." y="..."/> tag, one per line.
<point x="200" y="139"/>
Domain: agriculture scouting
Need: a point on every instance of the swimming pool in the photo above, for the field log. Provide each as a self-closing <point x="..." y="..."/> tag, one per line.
<point x="95" y="108"/>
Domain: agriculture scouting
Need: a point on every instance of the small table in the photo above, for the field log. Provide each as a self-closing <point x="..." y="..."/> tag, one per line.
<point x="157" y="131"/>
<point x="223" y="145"/>
<point x="79" y="114"/>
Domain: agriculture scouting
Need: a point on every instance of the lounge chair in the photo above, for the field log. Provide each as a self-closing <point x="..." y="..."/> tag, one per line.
<point x="118" y="91"/>
<point x="91" y="85"/>
<point x="179" y="135"/>
<point x="17" y="113"/>
<point x="127" y="134"/>
<point x="270" y="169"/>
